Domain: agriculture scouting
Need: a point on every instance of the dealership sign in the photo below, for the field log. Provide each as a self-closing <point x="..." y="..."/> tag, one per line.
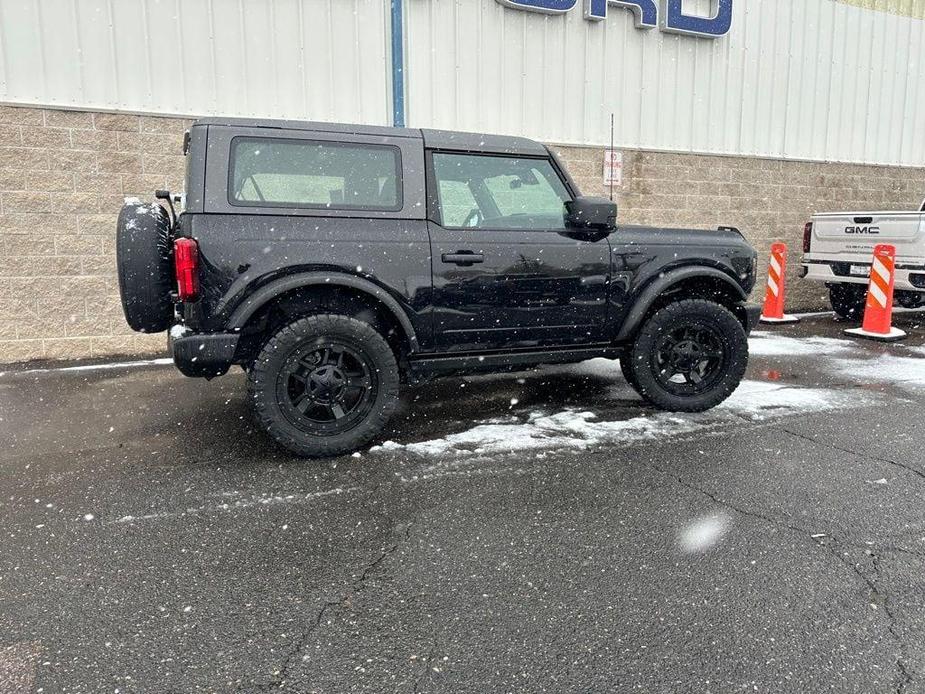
<point x="667" y="14"/>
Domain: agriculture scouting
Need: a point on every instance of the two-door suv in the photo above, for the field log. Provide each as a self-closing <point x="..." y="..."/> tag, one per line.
<point x="335" y="263"/>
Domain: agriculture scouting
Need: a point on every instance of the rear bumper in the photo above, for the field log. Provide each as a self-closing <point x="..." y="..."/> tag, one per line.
<point x="908" y="278"/>
<point x="203" y="355"/>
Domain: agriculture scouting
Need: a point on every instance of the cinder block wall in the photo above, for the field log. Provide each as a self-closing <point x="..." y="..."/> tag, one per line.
<point x="63" y="175"/>
<point x="769" y="200"/>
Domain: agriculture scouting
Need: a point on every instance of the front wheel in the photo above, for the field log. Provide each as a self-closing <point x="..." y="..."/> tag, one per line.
<point x="324" y="385"/>
<point x="689" y="356"/>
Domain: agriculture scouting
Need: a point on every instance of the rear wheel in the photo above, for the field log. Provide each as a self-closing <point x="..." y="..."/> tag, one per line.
<point x="626" y="362"/>
<point x="324" y="385"/>
<point x="848" y="300"/>
<point x="689" y="356"/>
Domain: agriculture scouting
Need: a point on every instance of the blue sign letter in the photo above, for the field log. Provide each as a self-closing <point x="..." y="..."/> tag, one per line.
<point x="674" y="19"/>
<point x="549" y="6"/>
<point x="646" y="11"/>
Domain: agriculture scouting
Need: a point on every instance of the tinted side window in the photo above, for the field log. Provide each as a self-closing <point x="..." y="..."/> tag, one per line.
<point x="456" y="203"/>
<point x="490" y="192"/>
<point x="302" y="173"/>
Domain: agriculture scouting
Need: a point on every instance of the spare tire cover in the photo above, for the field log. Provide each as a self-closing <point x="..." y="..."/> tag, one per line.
<point x="143" y="260"/>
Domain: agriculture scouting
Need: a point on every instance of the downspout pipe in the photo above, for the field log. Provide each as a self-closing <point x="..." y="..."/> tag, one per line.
<point x="398" y="64"/>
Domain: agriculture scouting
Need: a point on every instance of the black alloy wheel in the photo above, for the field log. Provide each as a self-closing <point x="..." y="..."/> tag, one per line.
<point x="688" y="360"/>
<point x="324" y="385"/>
<point x="689" y="356"/>
<point x="327" y="386"/>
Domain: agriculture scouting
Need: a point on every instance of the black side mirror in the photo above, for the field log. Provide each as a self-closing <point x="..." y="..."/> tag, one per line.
<point x="591" y="214"/>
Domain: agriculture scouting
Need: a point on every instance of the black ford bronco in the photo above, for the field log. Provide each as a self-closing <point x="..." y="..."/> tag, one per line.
<point x="335" y="263"/>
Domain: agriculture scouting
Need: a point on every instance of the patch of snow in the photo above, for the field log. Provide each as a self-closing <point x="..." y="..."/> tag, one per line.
<point x="887" y="368"/>
<point x="179" y="330"/>
<point x="760" y="399"/>
<point x="132" y="201"/>
<point x="767" y="344"/>
<point x="88" y="517"/>
<point x="704" y="533"/>
<point x="599" y="368"/>
<point x="576" y="429"/>
<point x="567" y="429"/>
<point x="882" y="480"/>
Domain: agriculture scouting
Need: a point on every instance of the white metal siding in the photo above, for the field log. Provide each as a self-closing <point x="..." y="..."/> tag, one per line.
<point x="308" y="59"/>
<point x="805" y="79"/>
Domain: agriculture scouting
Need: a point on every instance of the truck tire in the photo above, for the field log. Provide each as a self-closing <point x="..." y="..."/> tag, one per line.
<point x="626" y="362"/>
<point x="848" y="300"/>
<point x="143" y="261"/>
<point x="324" y="385"/>
<point x="689" y="356"/>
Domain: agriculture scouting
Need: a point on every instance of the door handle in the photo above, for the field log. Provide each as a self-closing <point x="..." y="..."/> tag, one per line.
<point x="464" y="258"/>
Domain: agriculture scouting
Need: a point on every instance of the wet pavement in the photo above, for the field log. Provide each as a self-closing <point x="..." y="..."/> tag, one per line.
<point x="532" y="532"/>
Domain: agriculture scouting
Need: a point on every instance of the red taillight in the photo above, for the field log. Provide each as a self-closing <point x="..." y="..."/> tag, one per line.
<point x="186" y="262"/>
<point x="807" y="236"/>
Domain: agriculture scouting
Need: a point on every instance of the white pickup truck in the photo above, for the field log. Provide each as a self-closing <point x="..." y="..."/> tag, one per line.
<point x="838" y="248"/>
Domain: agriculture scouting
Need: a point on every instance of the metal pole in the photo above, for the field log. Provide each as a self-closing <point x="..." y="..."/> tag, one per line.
<point x="611" y="157"/>
<point x="398" y="65"/>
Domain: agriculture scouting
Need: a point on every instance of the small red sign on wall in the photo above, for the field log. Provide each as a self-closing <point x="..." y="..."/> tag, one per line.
<point x="613" y="167"/>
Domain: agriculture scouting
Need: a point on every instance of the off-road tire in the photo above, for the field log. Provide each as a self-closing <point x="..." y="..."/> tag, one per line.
<point x="626" y="361"/>
<point x="697" y="315"/>
<point x="145" y="267"/>
<point x="304" y="438"/>
<point x="848" y="301"/>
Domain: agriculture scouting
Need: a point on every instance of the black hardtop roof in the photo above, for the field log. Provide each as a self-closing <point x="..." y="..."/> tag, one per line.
<point x="433" y="139"/>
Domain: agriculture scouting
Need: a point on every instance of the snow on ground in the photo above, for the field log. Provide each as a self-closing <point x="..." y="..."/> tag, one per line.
<point x="770" y="344"/>
<point x="582" y="429"/>
<point x="760" y="400"/>
<point x="543" y="431"/>
<point x="887" y="368"/>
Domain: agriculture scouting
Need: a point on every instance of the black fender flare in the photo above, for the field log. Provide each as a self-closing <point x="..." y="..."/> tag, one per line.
<point x="278" y="287"/>
<point x="653" y="290"/>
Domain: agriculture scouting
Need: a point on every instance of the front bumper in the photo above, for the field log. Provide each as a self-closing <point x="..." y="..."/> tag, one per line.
<point x="908" y="278"/>
<point x="203" y="355"/>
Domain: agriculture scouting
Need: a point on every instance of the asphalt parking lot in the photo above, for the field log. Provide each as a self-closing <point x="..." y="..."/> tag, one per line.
<point x="533" y="532"/>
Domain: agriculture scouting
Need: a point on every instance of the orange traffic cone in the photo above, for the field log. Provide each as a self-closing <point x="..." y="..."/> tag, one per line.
<point x="878" y="312"/>
<point x="774" y="294"/>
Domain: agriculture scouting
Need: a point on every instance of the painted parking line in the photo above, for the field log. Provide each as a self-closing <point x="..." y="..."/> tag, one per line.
<point x="91" y="367"/>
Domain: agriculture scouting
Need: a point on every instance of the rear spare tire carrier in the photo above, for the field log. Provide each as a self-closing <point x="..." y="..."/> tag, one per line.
<point x="145" y="266"/>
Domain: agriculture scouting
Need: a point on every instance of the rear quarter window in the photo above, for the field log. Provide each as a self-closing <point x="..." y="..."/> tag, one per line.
<point x="266" y="172"/>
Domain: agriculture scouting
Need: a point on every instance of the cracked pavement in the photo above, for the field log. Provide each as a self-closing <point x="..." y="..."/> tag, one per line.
<point x="154" y="542"/>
